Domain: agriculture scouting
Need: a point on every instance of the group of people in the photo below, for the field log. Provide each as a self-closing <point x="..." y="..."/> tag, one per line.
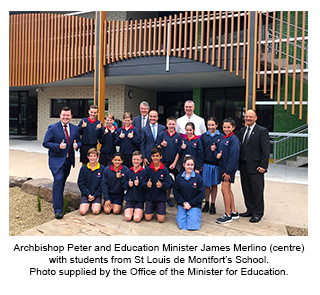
<point x="143" y="161"/>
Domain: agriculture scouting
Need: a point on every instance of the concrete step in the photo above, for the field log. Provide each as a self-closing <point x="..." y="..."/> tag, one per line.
<point x="297" y="161"/>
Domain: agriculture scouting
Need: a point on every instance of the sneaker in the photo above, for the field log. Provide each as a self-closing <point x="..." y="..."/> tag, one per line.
<point x="205" y="208"/>
<point x="224" y="219"/>
<point x="234" y="215"/>
<point x="212" y="210"/>
<point x="170" y="203"/>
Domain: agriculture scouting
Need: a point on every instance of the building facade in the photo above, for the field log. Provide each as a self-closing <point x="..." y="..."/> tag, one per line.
<point x="226" y="61"/>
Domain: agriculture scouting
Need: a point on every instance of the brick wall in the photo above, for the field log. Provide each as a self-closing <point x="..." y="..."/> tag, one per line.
<point x="119" y="102"/>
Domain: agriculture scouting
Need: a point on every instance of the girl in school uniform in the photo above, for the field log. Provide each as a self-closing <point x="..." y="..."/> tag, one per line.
<point x="210" y="169"/>
<point x="188" y="190"/>
<point x="128" y="138"/>
<point x="132" y="184"/>
<point x="107" y="140"/>
<point x="228" y="156"/>
<point x="192" y="146"/>
<point x="112" y="185"/>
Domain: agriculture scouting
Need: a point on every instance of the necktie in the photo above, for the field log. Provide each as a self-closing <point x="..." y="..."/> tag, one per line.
<point x="67" y="134"/>
<point x="143" y="122"/>
<point x="247" y="135"/>
<point x="154" y="131"/>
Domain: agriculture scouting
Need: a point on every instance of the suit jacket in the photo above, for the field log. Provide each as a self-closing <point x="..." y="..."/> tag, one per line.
<point x="52" y="139"/>
<point x="257" y="148"/>
<point x="136" y="122"/>
<point x="147" y="140"/>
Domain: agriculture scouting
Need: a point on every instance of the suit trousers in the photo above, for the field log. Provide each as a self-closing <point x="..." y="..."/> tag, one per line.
<point x="252" y="188"/>
<point x="60" y="176"/>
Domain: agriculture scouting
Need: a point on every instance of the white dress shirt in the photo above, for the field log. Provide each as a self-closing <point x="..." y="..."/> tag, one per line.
<point x="199" y="124"/>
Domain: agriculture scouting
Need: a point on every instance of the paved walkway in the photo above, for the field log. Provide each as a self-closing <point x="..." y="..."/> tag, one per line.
<point x="286" y="203"/>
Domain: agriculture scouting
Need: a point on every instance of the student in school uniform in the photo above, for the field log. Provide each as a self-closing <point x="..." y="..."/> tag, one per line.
<point x="112" y="186"/>
<point x="228" y="156"/>
<point x="107" y="140"/>
<point x="156" y="180"/>
<point x="210" y="168"/>
<point x="90" y="129"/>
<point x="192" y="146"/>
<point x="188" y="190"/>
<point x="89" y="183"/>
<point x="128" y="138"/>
<point x="149" y="136"/>
<point x="132" y="184"/>
<point x="170" y="141"/>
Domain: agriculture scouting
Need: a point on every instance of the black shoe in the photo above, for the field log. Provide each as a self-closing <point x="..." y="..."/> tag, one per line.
<point x="255" y="219"/>
<point x="246" y="214"/>
<point x="205" y="208"/>
<point x="170" y="203"/>
<point x="58" y="215"/>
<point x="212" y="210"/>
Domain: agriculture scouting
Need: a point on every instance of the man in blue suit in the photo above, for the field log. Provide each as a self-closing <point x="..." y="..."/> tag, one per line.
<point x="61" y="138"/>
<point x="149" y="135"/>
<point x="142" y="120"/>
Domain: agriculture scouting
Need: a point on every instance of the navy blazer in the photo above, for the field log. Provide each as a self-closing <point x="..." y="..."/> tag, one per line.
<point x="136" y="122"/>
<point x="147" y="140"/>
<point x="52" y="139"/>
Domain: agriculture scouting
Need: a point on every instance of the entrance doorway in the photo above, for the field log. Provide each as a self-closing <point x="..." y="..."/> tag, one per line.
<point x="23" y="113"/>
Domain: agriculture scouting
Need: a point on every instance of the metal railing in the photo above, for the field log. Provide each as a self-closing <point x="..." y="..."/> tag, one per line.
<point x="289" y="144"/>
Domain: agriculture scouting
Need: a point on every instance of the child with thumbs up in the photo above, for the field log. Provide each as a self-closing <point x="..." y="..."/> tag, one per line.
<point x="128" y="138"/>
<point x="228" y="156"/>
<point x="170" y="142"/>
<point x="91" y="130"/>
<point x="112" y="185"/>
<point x="210" y="169"/>
<point x="192" y="146"/>
<point x="132" y="184"/>
<point x="156" y="180"/>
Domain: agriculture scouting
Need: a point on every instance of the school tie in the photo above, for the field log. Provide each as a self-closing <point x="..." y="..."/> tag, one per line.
<point x="67" y="134"/>
<point x="154" y="131"/>
<point x="247" y="135"/>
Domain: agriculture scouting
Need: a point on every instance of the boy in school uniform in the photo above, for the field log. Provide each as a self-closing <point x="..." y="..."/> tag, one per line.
<point x="107" y="140"/>
<point x="156" y="181"/>
<point x="188" y="190"/>
<point x="170" y="141"/>
<point x="128" y="138"/>
<point x="227" y="154"/>
<point x="89" y="183"/>
<point x="91" y="129"/>
<point x="112" y="186"/>
<point x="132" y="184"/>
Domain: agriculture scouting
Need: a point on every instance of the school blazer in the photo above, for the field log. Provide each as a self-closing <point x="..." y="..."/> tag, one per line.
<point x="52" y="139"/>
<point x="147" y="140"/>
<point x="258" y="148"/>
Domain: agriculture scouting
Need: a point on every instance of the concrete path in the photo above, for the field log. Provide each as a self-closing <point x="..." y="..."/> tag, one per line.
<point x="286" y="204"/>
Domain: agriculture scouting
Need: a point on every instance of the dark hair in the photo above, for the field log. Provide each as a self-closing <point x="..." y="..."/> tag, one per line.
<point x="214" y="119"/>
<point x="229" y="120"/>
<point x="156" y="150"/>
<point x="65" y="108"/>
<point x="188" y="157"/>
<point x="117" y="154"/>
<point x="190" y="124"/>
<point x="94" y="106"/>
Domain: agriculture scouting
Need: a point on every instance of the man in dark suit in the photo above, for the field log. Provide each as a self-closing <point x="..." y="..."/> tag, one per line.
<point x="142" y="120"/>
<point x="61" y="138"/>
<point x="254" y="160"/>
<point x="149" y="135"/>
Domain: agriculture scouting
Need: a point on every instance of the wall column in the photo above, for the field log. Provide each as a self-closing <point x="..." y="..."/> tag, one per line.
<point x="99" y="70"/>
